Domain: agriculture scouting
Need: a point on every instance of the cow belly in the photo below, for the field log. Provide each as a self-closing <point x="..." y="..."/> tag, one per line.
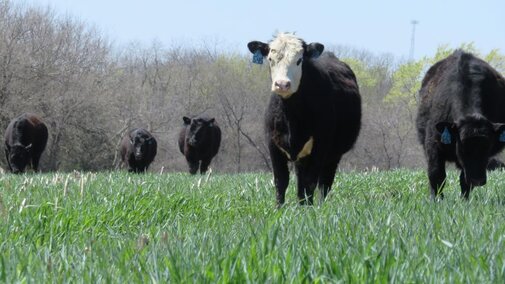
<point x="306" y="150"/>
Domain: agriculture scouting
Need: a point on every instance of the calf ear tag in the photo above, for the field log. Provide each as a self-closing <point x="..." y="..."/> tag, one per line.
<point x="446" y="137"/>
<point x="257" y="57"/>
<point x="502" y="137"/>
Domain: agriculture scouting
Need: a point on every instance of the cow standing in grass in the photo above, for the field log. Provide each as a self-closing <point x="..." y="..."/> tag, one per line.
<point x="460" y="119"/>
<point x="199" y="141"/>
<point x="138" y="150"/>
<point x="25" y="140"/>
<point x="314" y="114"/>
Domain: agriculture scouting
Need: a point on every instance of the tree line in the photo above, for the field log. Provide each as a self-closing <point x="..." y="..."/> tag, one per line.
<point x="91" y="92"/>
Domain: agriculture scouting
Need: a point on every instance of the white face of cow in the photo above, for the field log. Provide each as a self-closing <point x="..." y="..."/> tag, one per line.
<point x="285" y="54"/>
<point x="285" y="58"/>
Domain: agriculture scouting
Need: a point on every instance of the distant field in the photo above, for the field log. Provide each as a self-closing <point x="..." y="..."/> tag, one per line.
<point x="119" y="227"/>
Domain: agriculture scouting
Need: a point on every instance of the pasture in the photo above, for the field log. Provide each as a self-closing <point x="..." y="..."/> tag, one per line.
<point x="120" y="227"/>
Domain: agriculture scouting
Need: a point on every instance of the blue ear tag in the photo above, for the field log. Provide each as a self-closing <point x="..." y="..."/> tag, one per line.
<point x="446" y="137"/>
<point x="502" y="137"/>
<point x="257" y="57"/>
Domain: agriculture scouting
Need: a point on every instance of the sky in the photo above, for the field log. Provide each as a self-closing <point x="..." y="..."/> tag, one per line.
<point x="380" y="26"/>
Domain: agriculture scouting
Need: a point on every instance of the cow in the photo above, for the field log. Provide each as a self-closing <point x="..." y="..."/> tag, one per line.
<point x="199" y="141"/>
<point x="314" y="113"/>
<point x="25" y="140"/>
<point x="138" y="150"/>
<point x="460" y="119"/>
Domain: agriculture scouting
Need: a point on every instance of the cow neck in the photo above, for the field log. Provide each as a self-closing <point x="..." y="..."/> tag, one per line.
<point x="293" y="107"/>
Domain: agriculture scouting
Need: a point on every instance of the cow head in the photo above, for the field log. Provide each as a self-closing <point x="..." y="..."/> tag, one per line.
<point x="197" y="130"/>
<point x="474" y="138"/>
<point x="141" y="143"/>
<point x="19" y="157"/>
<point x="285" y="54"/>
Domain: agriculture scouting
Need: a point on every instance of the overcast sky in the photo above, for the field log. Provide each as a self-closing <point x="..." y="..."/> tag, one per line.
<point x="380" y="26"/>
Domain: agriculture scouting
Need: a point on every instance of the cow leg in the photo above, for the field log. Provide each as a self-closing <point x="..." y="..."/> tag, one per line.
<point x="327" y="177"/>
<point x="465" y="187"/>
<point x="306" y="185"/>
<point x="7" y="158"/>
<point x="35" y="161"/>
<point x="204" y="166"/>
<point x="436" y="175"/>
<point x="281" y="173"/>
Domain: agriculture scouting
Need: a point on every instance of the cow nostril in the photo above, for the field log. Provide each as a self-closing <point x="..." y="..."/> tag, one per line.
<point x="283" y="85"/>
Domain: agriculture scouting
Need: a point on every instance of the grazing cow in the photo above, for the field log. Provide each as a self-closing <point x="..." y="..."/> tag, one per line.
<point x="138" y="150"/>
<point x="314" y="114"/>
<point x="25" y="140"/>
<point x="460" y="119"/>
<point x="199" y="141"/>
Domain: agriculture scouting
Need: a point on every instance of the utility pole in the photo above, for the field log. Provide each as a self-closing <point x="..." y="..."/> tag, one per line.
<point x="413" y="39"/>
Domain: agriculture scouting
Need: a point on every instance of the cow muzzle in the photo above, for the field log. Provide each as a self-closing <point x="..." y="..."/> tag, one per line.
<point x="138" y="155"/>
<point x="192" y="142"/>
<point x="282" y="86"/>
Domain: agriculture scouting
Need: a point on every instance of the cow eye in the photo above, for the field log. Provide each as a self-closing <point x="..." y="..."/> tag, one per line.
<point x="299" y="61"/>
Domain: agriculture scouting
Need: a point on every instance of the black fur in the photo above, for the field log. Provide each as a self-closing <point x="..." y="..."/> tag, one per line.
<point x="138" y="150"/>
<point x="199" y="141"/>
<point x="466" y="96"/>
<point x="25" y="140"/>
<point x="495" y="164"/>
<point x="327" y="107"/>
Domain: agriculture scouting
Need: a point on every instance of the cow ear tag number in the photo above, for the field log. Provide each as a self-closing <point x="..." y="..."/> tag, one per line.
<point x="446" y="137"/>
<point x="257" y="57"/>
<point x="502" y="137"/>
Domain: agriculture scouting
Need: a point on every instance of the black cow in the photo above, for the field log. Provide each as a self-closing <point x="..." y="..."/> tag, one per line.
<point x="460" y="119"/>
<point x="138" y="150"/>
<point x="25" y="140"/>
<point x="314" y="114"/>
<point x="199" y="141"/>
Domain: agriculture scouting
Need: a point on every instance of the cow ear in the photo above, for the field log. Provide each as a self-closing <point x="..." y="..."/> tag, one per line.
<point x="187" y="120"/>
<point x="259" y="50"/>
<point x="211" y="122"/>
<point x="499" y="129"/>
<point x="313" y="50"/>
<point x="446" y="131"/>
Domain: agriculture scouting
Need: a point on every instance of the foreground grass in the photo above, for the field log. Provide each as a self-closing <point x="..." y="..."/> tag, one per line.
<point x="118" y="227"/>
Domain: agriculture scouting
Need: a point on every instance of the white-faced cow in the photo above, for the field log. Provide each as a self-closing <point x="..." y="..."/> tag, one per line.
<point x="138" y="150"/>
<point x="314" y="114"/>
<point x="199" y="141"/>
<point x="25" y="140"/>
<point x="460" y="119"/>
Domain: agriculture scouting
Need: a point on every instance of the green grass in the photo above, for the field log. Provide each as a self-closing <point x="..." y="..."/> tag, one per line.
<point x="374" y="227"/>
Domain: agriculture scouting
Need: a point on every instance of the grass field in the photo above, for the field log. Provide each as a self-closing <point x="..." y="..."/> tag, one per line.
<point x="119" y="227"/>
